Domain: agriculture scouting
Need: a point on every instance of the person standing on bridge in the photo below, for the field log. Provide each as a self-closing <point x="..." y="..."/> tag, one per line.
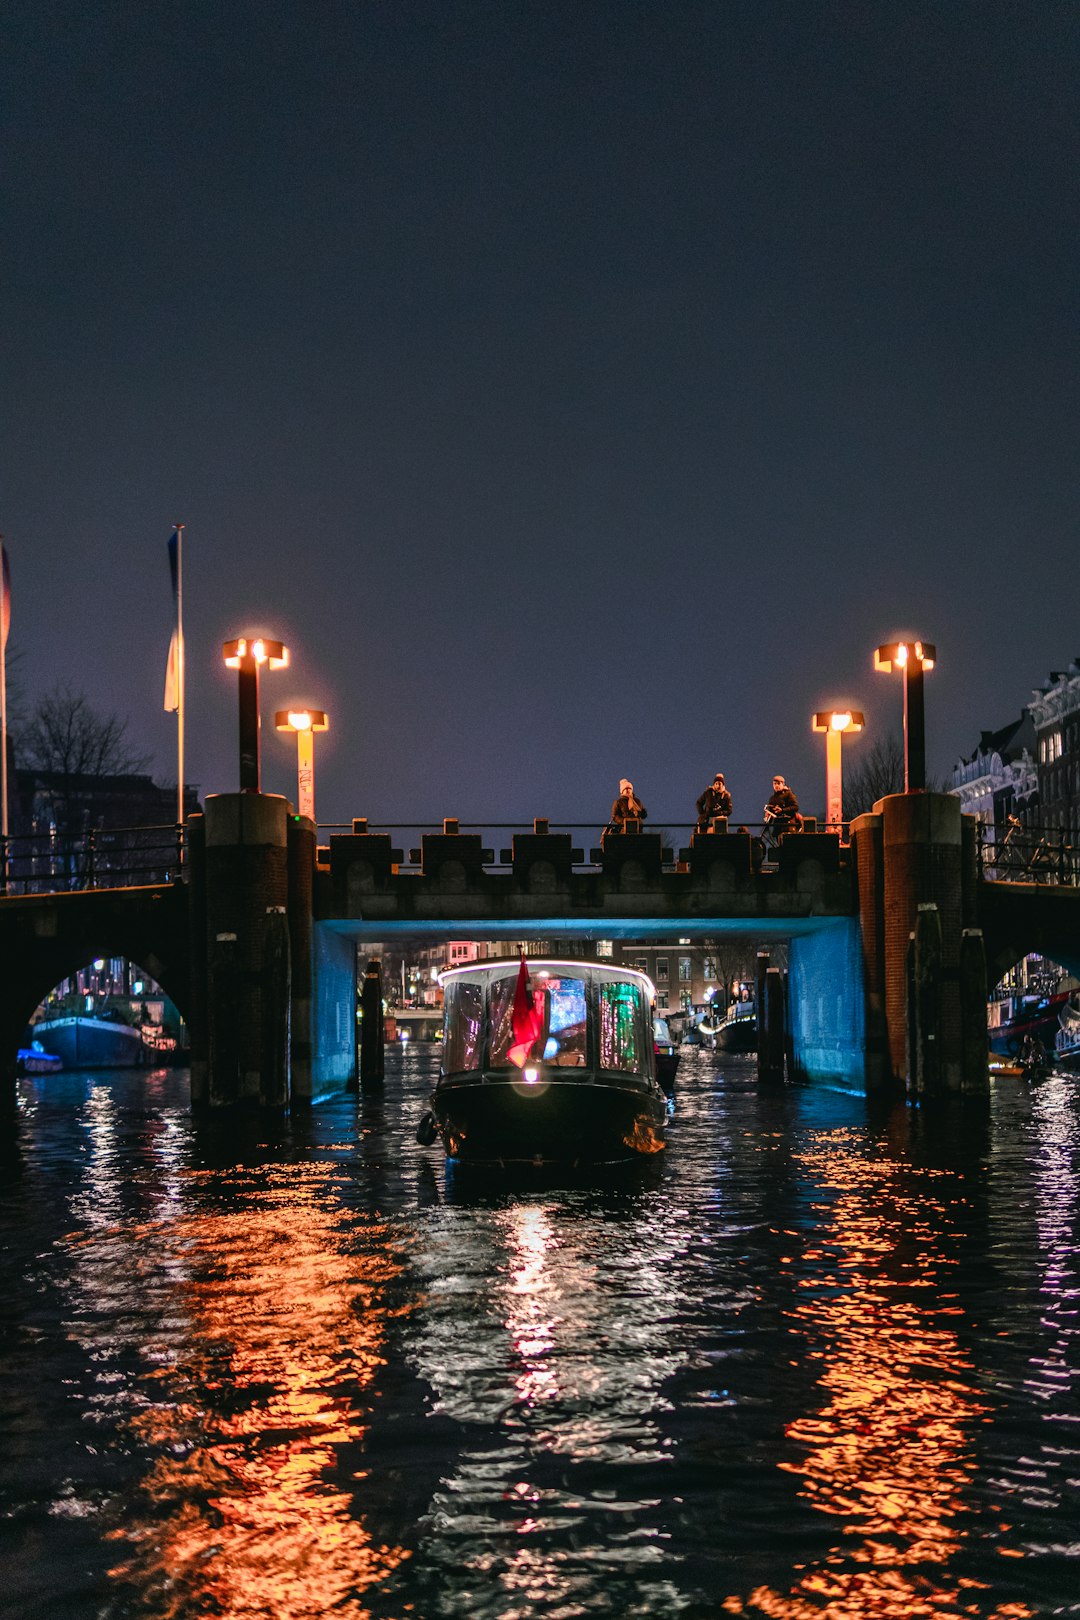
<point x="714" y="802"/>
<point x="627" y="807"/>
<point x="781" y="811"/>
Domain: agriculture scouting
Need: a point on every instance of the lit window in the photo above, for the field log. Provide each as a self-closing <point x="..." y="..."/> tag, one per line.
<point x="561" y="1006"/>
<point x="464" y="1002"/>
<point x="708" y="969"/>
<point x="661" y="967"/>
<point x="604" y="947"/>
<point x="684" y="969"/>
<point x="620" y="1027"/>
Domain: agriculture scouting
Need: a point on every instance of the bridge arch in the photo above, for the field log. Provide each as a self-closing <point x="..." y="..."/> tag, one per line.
<point x="43" y="943"/>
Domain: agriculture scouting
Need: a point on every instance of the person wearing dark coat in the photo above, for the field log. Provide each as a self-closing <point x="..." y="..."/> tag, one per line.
<point x="627" y="807"/>
<point x="714" y="802"/>
<point x="782" y="810"/>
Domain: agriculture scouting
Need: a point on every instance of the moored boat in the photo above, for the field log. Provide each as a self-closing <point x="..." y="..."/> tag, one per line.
<point x="547" y="1062"/>
<point x="34" y="1059"/>
<point x="737" y="1031"/>
<point x="1033" y="1015"/>
<point x="83" y="1042"/>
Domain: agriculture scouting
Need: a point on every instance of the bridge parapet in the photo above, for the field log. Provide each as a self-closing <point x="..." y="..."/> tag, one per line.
<point x="455" y="879"/>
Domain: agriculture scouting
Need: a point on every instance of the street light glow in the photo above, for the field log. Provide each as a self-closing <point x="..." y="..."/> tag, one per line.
<point x="301" y="720"/>
<point x="912" y="659"/>
<point x="835" y="723"/>
<point x="258" y="649"/>
<point x="304" y="722"/>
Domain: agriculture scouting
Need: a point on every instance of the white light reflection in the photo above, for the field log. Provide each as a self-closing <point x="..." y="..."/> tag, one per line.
<point x="557" y="1328"/>
<point x="1046" y="1481"/>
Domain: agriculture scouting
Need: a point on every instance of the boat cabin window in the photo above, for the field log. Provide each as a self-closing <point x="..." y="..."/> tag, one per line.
<point x="464" y="1011"/>
<point x="562" y="1008"/>
<point x="620" y="1027"/>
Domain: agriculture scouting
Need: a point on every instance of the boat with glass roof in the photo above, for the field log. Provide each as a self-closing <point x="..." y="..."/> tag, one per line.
<point x="547" y="1061"/>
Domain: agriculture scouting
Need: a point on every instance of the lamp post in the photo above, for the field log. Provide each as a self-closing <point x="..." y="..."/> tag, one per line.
<point x="248" y="654"/>
<point x="834" y="723"/>
<point x="914" y="658"/>
<point x="304" y="722"/>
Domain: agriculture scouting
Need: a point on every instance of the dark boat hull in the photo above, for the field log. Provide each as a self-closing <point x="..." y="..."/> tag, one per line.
<point x="507" y="1121"/>
<point x="1042" y="1020"/>
<point x="740" y="1035"/>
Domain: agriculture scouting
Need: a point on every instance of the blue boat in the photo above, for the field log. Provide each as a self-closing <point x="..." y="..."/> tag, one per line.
<point x="34" y="1059"/>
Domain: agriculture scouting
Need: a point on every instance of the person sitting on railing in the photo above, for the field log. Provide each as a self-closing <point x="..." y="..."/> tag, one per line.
<point x="714" y="802"/>
<point x="627" y="807"/>
<point x="781" y="811"/>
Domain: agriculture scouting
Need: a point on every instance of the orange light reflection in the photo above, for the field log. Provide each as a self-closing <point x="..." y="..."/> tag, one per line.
<point x="240" y="1519"/>
<point x="890" y="1452"/>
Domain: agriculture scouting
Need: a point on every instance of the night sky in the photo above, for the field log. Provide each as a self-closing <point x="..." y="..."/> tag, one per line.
<point x="580" y="389"/>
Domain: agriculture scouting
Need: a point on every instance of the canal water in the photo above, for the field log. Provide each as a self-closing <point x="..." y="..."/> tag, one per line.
<point x="819" y="1361"/>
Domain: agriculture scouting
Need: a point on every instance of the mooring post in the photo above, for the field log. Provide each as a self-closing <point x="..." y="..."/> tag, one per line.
<point x="761" y="968"/>
<point x="771" y="1042"/>
<point x="198" y="963"/>
<point x="922" y="845"/>
<point x="371" y="1027"/>
<point x="925" y="1041"/>
<point x="973" y="1012"/>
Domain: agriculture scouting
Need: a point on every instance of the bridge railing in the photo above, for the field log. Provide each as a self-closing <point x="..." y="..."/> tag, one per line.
<point x="497" y="847"/>
<point x="1030" y="855"/>
<point x="53" y="862"/>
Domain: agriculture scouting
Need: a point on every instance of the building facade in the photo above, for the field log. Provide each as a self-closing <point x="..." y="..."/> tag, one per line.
<point x="1055" y="711"/>
<point x="998" y="782"/>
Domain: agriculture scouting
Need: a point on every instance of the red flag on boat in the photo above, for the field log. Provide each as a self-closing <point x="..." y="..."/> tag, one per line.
<point x="525" y="1019"/>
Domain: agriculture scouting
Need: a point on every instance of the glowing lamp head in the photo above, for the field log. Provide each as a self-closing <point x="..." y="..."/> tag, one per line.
<point x="258" y="648"/>
<point x="838" y="720"/>
<point x="530" y="1076"/>
<point x="301" y="720"/>
<point x="898" y="654"/>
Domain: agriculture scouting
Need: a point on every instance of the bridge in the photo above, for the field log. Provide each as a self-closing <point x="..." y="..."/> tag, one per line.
<point x="254" y="929"/>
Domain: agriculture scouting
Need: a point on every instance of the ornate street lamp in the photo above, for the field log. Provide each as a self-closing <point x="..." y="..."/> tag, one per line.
<point x="834" y="723"/>
<point x="248" y="654"/>
<point x="914" y="658"/>
<point x="304" y="722"/>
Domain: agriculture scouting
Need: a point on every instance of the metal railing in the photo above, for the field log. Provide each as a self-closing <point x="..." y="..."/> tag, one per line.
<point x="1030" y="855"/>
<point x="54" y="862"/>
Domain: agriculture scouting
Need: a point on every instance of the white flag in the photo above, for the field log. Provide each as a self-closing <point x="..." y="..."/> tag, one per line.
<point x="172" y="676"/>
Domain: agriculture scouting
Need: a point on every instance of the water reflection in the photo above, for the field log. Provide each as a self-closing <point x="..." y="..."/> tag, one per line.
<point x="548" y="1335"/>
<point x="815" y="1362"/>
<point x="891" y="1454"/>
<point x="248" y="1396"/>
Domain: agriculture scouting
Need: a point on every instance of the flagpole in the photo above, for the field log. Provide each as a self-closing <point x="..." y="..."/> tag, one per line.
<point x="180" y="672"/>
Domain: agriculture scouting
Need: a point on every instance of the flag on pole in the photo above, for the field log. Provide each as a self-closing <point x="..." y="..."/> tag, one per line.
<point x="5" y="596"/>
<point x="172" y="676"/>
<point x="525" y="1019"/>
<point x="172" y="667"/>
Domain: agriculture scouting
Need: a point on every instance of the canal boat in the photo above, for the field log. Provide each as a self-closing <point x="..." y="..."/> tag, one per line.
<point x="737" y="1030"/>
<point x="1032" y="1015"/>
<point x="546" y="1062"/>
<point x="667" y="1056"/>
<point x="85" y="1042"/>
